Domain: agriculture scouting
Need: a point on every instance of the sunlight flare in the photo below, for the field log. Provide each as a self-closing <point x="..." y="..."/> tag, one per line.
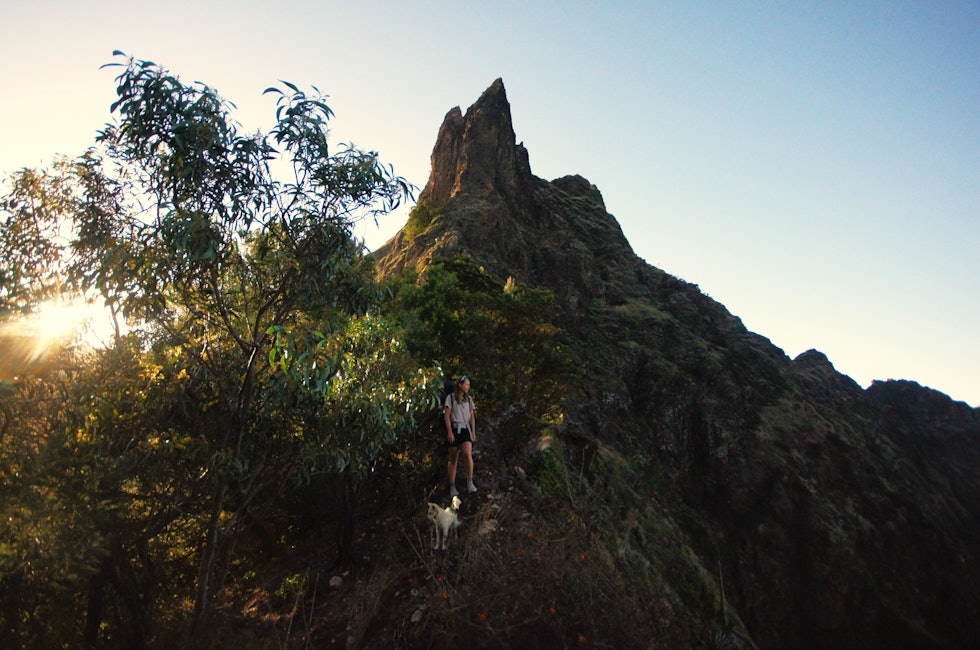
<point x="28" y="341"/>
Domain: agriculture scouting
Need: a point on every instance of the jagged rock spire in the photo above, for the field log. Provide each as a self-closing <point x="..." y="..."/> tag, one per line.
<point x="476" y="154"/>
<point x="486" y="204"/>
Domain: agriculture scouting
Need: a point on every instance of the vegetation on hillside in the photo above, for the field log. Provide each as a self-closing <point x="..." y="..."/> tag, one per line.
<point x="257" y="361"/>
<point x="263" y="394"/>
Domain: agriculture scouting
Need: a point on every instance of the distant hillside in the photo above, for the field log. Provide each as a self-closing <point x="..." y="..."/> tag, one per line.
<point x="758" y="500"/>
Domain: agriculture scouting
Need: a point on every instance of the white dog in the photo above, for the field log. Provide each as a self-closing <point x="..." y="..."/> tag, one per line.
<point x="444" y="520"/>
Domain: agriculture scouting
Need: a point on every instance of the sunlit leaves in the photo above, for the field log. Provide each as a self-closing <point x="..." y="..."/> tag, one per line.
<point x="359" y="385"/>
<point x="254" y="363"/>
<point x="33" y="216"/>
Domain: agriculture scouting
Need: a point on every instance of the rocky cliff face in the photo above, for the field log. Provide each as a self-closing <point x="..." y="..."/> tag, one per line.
<point x="838" y="517"/>
<point x="493" y="209"/>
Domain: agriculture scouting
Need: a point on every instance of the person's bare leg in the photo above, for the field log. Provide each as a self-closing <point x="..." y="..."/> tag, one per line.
<point x="467" y="450"/>
<point x="451" y="467"/>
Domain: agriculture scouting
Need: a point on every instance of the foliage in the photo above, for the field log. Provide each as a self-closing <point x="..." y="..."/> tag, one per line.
<point x="548" y="469"/>
<point x="264" y="376"/>
<point x="503" y="334"/>
<point x="350" y="395"/>
<point x="254" y="363"/>
<point x="420" y="218"/>
<point x="30" y="218"/>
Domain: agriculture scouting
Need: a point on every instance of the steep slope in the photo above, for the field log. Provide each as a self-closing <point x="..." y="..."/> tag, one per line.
<point x="837" y="517"/>
<point x="511" y="221"/>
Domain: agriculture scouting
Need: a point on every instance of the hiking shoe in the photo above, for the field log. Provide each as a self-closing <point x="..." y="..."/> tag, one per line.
<point x="453" y="492"/>
<point x="469" y="486"/>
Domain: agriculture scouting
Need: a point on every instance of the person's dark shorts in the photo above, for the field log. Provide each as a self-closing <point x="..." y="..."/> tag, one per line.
<point x="459" y="437"/>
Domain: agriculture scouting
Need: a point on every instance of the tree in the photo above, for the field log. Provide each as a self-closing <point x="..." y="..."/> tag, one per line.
<point x="252" y="307"/>
<point x="226" y="256"/>
<point x="504" y="333"/>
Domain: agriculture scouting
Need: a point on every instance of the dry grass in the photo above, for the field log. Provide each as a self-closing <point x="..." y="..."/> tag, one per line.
<point x="576" y="564"/>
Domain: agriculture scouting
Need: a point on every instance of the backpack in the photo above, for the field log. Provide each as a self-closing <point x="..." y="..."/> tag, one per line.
<point x="436" y="420"/>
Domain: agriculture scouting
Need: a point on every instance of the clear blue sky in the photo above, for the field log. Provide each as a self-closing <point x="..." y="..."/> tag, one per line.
<point x="814" y="166"/>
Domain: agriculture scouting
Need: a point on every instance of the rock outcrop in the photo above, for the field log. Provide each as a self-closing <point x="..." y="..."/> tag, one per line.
<point x="838" y="517"/>
<point x="493" y="209"/>
<point x="476" y="155"/>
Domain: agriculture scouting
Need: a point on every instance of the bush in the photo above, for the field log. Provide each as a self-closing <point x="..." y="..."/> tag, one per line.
<point x="419" y="219"/>
<point x="547" y="466"/>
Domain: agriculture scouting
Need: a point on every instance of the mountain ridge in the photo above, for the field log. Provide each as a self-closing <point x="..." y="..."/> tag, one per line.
<point x="838" y="516"/>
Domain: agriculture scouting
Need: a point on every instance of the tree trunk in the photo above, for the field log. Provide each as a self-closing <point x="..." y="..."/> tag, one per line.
<point x="209" y="553"/>
<point x="348" y="503"/>
<point x="95" y="605"/>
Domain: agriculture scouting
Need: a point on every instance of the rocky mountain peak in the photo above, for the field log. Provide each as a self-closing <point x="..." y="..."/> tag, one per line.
<point x="476" y="153"/>
<point x="482" y="200"/>
<point x="836" y="516"/>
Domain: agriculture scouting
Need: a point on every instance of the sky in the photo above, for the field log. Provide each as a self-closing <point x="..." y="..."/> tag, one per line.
<point x="813" y="166"/>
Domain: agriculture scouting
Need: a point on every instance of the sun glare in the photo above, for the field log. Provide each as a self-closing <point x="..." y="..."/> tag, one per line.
<point x="86" y="323"/>
<point x="59" y="322"/>
<point x="27" y="344"/>
<point x="54" y="322"/>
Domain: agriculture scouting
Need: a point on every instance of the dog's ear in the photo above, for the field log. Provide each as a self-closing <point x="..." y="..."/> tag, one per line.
<point x="457" y="502"/>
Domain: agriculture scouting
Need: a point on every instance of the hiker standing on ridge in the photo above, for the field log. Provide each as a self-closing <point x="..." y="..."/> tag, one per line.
<point x="460" y="415"/>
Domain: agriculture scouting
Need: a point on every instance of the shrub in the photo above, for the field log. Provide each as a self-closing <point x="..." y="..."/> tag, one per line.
<point x="547" y="466"/>
<point x="419" y="219"/>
